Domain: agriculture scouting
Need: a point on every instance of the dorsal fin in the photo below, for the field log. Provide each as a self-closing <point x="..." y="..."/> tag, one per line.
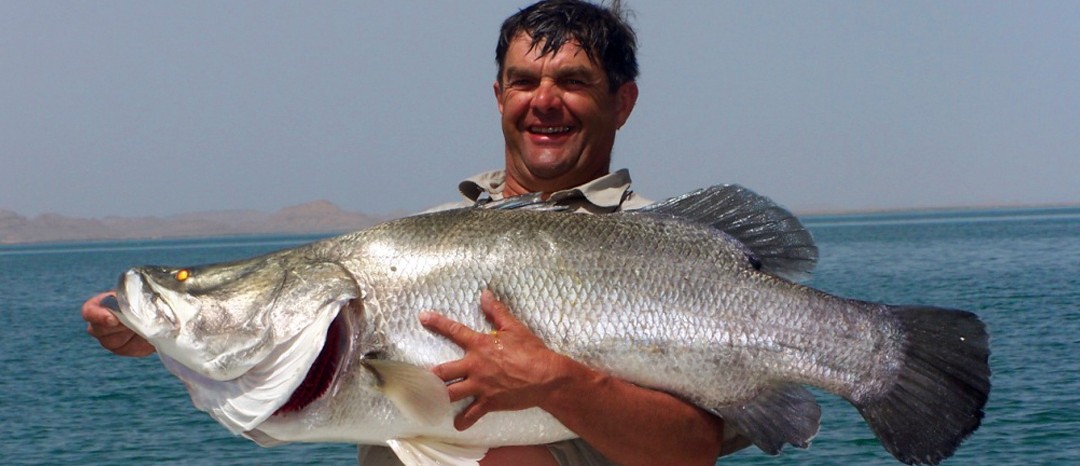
<point x="777" y="239"/>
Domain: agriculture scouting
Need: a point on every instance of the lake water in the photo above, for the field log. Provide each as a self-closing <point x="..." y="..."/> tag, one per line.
<point x="65" y="400"/>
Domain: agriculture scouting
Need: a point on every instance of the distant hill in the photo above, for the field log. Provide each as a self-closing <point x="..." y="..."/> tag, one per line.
<point x="312" y="217"/>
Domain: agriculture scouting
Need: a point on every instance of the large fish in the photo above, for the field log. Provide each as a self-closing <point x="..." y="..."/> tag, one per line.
<point x="695" y="296"/>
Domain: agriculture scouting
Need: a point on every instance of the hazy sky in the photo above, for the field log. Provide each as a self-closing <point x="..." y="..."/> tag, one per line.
<point x="136" y="108"/>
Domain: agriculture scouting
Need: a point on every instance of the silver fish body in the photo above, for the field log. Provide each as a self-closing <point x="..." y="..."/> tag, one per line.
<point x="323" y="343"/>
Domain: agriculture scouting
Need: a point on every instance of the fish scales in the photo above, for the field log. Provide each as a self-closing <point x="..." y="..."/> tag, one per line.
<point x="593" y="289"/>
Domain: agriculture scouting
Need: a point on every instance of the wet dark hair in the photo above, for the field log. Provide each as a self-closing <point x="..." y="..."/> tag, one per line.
<point x="603" y="33"/>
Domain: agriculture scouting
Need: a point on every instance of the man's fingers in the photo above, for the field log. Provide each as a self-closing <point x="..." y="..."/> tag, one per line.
<point x="455" y="331"/>
<point x="446" y="327"/>
<point x="112" y="341"/>
<point x="96" y="314"/>
<point x="469" y="416"/>
<point x="461" y="390"/>
<point x="448" y="371"/>
<point x="136" y="348"/>
<point x="496" y="312"/>
<point x="122" y="341"/>
<point x="110" y="332"/>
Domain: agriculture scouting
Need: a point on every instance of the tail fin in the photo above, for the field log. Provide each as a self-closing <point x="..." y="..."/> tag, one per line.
<point x="939" y="395"/>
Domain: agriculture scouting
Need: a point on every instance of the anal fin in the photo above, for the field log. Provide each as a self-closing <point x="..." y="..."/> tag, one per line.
<point x="780" y="414"/>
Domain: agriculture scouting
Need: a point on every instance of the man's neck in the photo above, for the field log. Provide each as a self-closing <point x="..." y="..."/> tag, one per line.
<point x="516" y="187"/>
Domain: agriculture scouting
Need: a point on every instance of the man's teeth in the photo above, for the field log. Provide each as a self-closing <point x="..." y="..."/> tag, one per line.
<point x="550" y="129"/>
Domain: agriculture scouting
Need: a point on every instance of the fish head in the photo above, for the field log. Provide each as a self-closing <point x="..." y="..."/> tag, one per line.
<point x="242" y="335"/>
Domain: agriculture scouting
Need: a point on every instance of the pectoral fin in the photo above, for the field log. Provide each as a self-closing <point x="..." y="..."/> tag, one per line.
<point x="416" y="391"/>
<point x="420" y="451"/>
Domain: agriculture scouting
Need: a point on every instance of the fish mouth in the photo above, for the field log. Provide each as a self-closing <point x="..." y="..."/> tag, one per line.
<point x="144" y="307"/>
<point x="323" y="371"/>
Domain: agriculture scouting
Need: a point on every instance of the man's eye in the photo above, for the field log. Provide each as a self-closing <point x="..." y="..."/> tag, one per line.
<point x="574" y="83"/>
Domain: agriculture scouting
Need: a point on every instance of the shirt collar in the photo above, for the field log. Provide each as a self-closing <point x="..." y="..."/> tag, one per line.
<point x="607" y="191"/>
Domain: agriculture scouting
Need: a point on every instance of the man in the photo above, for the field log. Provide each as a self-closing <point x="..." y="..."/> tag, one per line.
<point x="565" y="86"/>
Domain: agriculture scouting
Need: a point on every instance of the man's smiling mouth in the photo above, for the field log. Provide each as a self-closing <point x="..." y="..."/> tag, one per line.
<point x="549" y="129"/>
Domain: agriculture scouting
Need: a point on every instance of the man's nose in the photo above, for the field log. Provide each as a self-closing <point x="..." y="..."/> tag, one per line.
<point x="548" y="97"/>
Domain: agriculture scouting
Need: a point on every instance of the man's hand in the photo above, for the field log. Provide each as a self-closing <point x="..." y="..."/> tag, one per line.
<point x="505" y="370"/>
<point x="110" y="333"/>
<point x="511" y="369"/>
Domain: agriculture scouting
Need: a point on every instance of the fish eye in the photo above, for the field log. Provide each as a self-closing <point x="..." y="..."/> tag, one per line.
<point x="182" y="275"/>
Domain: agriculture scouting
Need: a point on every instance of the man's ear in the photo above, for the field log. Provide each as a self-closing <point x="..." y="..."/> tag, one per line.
<point x="625" y="98"/>
<point x="498" y="95"/>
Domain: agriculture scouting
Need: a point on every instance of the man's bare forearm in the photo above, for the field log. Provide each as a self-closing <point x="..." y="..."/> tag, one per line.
<point x="632" y="425"/>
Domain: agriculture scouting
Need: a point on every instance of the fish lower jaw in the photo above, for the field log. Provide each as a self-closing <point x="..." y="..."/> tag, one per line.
<point x="144" y="312"/>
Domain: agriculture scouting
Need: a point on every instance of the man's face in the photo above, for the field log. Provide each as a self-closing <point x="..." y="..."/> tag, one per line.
<point x="559" y="117"/>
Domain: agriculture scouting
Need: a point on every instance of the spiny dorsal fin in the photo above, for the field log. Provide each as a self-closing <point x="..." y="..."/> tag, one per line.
<point x="776" y="238"/>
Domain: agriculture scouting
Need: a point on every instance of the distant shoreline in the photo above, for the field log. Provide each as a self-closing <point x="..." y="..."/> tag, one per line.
<point x="311" y="218"/>
<point x="947" y="209"/>
<point x="324" y="218"/>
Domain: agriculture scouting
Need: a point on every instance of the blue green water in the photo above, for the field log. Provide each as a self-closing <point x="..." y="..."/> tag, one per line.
<point x="63" y="399"/>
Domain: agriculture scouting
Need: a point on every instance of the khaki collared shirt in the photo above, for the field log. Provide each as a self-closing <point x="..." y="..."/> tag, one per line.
<point x="609" y="193"/>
